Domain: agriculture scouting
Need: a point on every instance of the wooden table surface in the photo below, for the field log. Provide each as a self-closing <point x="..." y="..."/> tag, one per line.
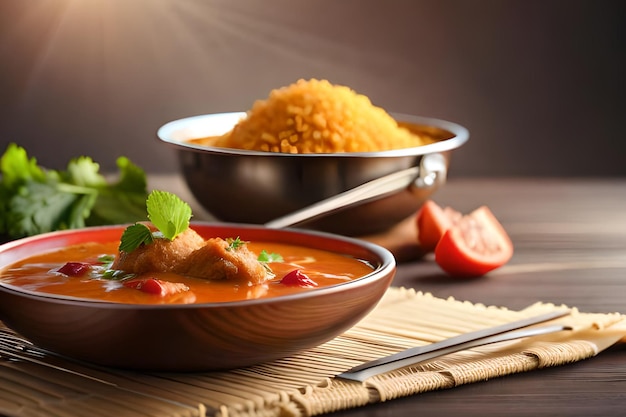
<point x="570" y="248"/>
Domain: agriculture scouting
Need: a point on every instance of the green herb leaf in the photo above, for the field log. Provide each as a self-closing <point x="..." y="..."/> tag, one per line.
<point x="106" y="259"/>
<point x="36" y="200"/>
<point x="266" y="257"/>
<point x="39" y="207"/>
<point x="17" y="167"/>
<point x="83" y="171"/>
<point x="134" y="236"/>
<point x="168" y="213"/>
<point x="234" y="244"/>
<point x="124" y="201"/>
<point x="116" y="275"/>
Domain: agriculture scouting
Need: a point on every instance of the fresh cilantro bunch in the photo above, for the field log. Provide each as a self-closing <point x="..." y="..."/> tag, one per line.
<point x="37" y="200"/>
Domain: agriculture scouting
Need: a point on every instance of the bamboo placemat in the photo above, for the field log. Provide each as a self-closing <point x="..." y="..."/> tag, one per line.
<point x="303" y="385"/>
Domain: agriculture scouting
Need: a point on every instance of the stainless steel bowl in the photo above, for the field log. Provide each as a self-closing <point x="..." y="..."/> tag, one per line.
<point x="256" y="187"/>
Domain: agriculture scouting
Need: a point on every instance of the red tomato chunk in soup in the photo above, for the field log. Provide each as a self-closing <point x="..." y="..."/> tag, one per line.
<point x="84" y="271"/>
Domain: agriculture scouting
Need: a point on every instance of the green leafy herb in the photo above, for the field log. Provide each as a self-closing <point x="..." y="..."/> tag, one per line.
<point x="36" y="200"/>
<point x="134" y="236"/>
<point x="234" y="244"/>
<point x="102" y="269"/>
<point x="168" y="213"/>
<point x="123" y="201"/>
<point x="106" y="260"/>
<point x="18" y="167"/>
<point x="266" y="257"/>
<point x="116" y="275"/>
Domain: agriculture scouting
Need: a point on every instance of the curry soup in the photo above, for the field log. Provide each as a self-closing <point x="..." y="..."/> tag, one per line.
<point x="40" y="273"/>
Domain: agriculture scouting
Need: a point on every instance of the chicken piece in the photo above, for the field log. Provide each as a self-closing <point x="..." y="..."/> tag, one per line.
<point x="162" y="255"/>
<point x="217" y="260"/>
<point x="190" y="254"/>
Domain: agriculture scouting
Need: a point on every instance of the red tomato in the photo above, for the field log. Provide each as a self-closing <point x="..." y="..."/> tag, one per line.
<point x="74" y="269"/>
<point x="475" y="245"/>
<point x="156" y="286"/>
<point x="298" y="278"/>
<point x="432" y="223"/>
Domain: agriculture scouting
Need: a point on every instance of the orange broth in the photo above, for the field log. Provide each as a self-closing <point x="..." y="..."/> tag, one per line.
<point x="38" y="273"/>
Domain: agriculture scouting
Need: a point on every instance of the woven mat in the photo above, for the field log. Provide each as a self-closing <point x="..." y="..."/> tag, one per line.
<point x="303" y="385"/>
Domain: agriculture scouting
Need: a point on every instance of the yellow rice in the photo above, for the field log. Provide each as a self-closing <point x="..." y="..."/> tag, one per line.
<point x="316" y="116"/>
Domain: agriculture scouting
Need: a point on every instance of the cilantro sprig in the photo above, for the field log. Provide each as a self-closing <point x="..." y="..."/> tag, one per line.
<point x="266" y="257"/>
<point x="36" y="200"/>
<point x="167" y="212"/>
<point x="234" y="243"/>
<point x="134" y="236"/>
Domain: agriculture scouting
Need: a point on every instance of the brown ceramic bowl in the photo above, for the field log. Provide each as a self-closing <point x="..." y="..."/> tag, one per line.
<point x="257" y="187"/>
<point x="192" y="337"/>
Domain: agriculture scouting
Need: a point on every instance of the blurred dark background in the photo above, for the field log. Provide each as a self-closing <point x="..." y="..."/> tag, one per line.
<point x="539" y="83"/>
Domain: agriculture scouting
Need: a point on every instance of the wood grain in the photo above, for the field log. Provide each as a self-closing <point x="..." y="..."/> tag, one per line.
<point x="570" y="248"/>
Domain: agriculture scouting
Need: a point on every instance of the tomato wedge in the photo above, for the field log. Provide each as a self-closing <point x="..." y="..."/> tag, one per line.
<point x="473" y="246"/>
<point x="156" y="286"/>
<point x="299" y="279"/>
<point x="432" y="222"/>
<point x="75" y="269"/>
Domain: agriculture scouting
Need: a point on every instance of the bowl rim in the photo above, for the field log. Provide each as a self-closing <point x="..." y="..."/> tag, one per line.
<point x="166" y="134"/>
<point x="387" y="266"/>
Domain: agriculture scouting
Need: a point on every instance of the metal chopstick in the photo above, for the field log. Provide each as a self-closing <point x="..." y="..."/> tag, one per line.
<point x="464" y="341"/>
